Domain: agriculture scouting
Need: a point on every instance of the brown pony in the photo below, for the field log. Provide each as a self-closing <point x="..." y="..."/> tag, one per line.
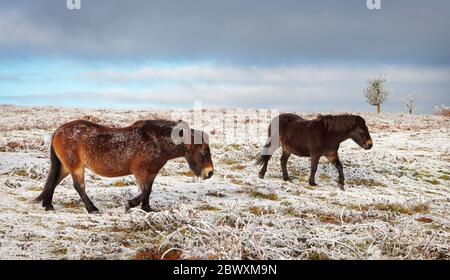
<point x="314" y="139"/>
<point x="141" y="149"/>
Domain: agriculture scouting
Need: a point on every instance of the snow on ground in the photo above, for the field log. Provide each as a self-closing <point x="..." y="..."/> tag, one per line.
<point x="396" y="203"/>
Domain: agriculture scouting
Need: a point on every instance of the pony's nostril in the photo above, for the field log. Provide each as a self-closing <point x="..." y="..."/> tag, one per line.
<point x="370" y="146"/>
<point x="210" y="174"/>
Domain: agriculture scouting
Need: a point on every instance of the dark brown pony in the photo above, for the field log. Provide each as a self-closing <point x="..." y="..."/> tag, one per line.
<point x="314" y="139"/>
<point x="141" y="149"/>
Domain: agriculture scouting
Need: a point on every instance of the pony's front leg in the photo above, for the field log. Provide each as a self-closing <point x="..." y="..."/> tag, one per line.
<point x="78" y="183"/>
<point x="133" y="202"/>
<point x="144" y="197"/>
<point x="146" y="191"/>
<point x="334" y="158"/>
<point x="314" y="163"/>
<point x="145" y="181"/>
<point x="284" y="159"/>
<point x="340" y="169"/>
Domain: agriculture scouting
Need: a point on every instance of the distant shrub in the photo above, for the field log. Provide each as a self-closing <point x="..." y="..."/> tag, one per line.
<point x="442" y="111"/>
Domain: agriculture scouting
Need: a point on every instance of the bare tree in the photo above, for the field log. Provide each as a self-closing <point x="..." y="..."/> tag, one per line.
<point x="410" y="102"/>
<point x="375" y="93"/>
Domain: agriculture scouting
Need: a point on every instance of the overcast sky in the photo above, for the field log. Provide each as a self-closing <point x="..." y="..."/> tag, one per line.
<point x="312" y="56"/>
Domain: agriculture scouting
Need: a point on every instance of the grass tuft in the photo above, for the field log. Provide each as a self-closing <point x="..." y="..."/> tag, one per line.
<point x="155" y="254"/>
<point x="207" y="207"/>
<point x="258" y="194"/>
<point x="407" y="209"/>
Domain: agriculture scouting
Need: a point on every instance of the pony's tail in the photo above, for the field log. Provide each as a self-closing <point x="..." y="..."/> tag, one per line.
<point x="261" y="158"/>
<point x="52" y="179"/>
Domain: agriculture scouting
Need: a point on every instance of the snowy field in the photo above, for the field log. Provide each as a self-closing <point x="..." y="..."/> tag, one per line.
<point x="396" y="204"/>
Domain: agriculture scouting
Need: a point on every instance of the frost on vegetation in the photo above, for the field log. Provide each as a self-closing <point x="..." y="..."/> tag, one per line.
<point x="235" y="235"/>
<point x="396" y="204"/>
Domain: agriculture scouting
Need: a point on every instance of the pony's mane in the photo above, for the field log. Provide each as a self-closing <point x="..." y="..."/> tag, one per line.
<point x="340" y="123"/>
<point x="160" y="127"/>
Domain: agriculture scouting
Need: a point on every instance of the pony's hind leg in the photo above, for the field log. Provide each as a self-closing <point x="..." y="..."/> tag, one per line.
<point x="314" y="163"/>
<point x="56" y="174"/>
<point x="264" y="160"/>
<point x="47" y="201"/>
<point x="284" y="159"/>
<point x="78" y="183"/>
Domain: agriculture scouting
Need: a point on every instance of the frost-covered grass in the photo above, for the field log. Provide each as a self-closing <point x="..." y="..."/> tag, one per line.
<point x="396" y="203"/>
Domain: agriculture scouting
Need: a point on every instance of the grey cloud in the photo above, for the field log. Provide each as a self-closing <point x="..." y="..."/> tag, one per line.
<point x="257" y="31"/>
<point x="275" y="37"/>
<point x="303" y="75"/>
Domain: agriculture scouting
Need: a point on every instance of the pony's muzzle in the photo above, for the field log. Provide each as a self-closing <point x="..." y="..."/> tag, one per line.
<point x="207" y="172"/>
<point x="368" y="145"/>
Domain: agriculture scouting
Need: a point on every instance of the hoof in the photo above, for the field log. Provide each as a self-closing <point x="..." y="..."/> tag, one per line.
<point x="127" y="206"/>
<point x="49" y="207"/>
<point x="93" y="211"/>
<point x="147" y="209"/>
<point x="341" y="186"/>
<point x="313" y="184"/>
<point x="261" y="176"/>
<point x="286" y="178"/>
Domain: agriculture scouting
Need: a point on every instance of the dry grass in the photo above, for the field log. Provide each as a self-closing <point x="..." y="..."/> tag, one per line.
<point x="233" y="235"/>
<point x="424" y="220"/>
<point x="238" y="167"/>
<point x="187" y="173"/>
<point x="293" y="212"/>
<point x="122" y="183"/>
<point x="406" y="209"/>
<point x="156" y="254"/>
<point x="207" y="207"/>
<point x="215" y="194"/>
<point x="235" y="215"/>
<point x="258" y="211"/>
<point x="442" y="111"/>
<point x="317" y="256"/>
<point x="263" y="195"/>
<point x="72" y="204"/>
<point x="329" y="219"/>
<point x="433" y="181"/>
<point x="229" y="236"/>
<point x="229" y="161"/>
<point x="365" y="182"/>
